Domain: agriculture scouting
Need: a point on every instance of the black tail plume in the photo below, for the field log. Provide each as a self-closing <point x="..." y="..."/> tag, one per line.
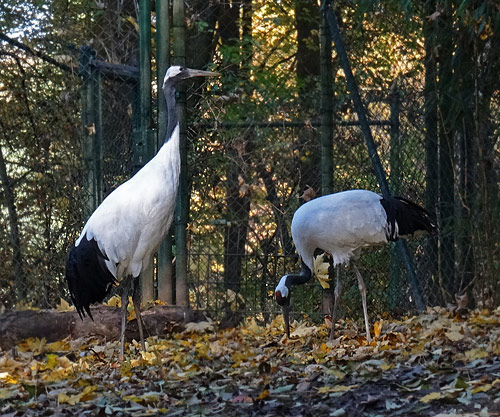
<point x="88" y="278"/>
<point x="409" y="217"/>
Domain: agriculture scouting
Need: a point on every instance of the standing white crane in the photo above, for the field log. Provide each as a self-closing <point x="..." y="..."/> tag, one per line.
<point x="342" y="224"/>
<point x="120" y="237"/>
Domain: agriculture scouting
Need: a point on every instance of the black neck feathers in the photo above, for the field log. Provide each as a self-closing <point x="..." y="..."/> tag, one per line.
<point x="169" y="91"/>
<point x="300" y="278"/>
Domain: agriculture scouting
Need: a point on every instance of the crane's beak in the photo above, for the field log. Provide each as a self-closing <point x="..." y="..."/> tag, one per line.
<point x="286" y="318"/>
<point x="200" y="73"/>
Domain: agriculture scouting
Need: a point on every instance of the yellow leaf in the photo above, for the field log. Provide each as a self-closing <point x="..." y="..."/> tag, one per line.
<point x="474" y="354"/>
<point x="7" y="378"/>
<point x="51" y="361"/>
<point x="8" y="364"/>
<point x="132" y="21"/>
<point x="430" y="397"/>
<point x="386" y="366"/>
<point x="253" y="328"/>
<point x="37" y="346"/>
<point x="336" y="373"/>
<point x="454" y="336"/>
<point x="199" y="327"/>
<point x="263" y="395"/>
<point x="64" y="306"/>
<point x="202" y="350"/>
<point x="145" y="398"/>
<point x="125" y="369"/>
<point x="131" y="315"/>
<point x="149" y="358"/>
<point x="304" y="330"/>
<point x="88" y="393"/>
<point x="7" y="393"/>
<point x="114" y="301"/>
<point x="482" y="388"/>
<point x="320" y="269"/>
<point x="63" y="398"/>
<point x="377" y="328"/>
<point x="59" y="346"/>
<point x="337" y="388"/>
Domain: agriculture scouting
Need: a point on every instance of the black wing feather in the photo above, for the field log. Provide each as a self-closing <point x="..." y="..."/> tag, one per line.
<point x="409" y="216"/>
<point x="89" y="280"/>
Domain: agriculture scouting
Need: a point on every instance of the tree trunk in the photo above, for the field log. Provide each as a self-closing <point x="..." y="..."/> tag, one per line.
<point x="307" y="72"/>
<point x="55" y="325"/>
<point x="446" y="132"/>
<point x="237" y="194"/>
<point x="20" y="283"/>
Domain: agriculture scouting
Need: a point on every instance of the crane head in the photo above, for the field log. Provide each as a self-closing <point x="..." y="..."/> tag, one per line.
<point x="282" y="296"/>
<point x="178" y="73"/>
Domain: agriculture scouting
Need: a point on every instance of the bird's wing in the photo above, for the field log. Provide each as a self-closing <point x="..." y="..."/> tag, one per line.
<point x="131" y="222"/>
<point x="339" y="224"/>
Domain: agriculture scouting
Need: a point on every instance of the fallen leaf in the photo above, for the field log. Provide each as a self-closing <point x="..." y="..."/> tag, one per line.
<point x="430" y="397"/>
<point x="454" y="336"/>
<point x="263" y="395"/>
<point x="199" y="327"/>
<point x="242" y="399"/>
<point x="377" y="328"/>
<point x="115" y="301"/>
<point x="336" y="388"/>
<point x="308" y="194"/>
<point x="64" y="305"/>
<point x="304" y="330"/>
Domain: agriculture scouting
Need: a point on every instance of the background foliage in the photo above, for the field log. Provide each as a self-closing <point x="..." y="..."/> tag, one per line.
<point x="428" y="76"/>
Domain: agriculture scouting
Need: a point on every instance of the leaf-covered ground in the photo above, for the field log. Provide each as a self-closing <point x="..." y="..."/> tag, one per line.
<point x="433" y="364"/>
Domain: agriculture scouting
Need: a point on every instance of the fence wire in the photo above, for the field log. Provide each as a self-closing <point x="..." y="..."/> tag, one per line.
<point x="253" y="150"/>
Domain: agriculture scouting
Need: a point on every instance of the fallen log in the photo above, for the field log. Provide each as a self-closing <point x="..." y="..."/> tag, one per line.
<point x="55" y="325"/>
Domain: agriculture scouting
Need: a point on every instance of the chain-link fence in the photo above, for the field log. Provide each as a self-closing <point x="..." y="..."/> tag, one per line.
<point x="255" y="141"/>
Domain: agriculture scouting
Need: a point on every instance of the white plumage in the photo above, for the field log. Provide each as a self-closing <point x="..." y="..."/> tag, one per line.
<point x="120" y="237"/>
<point x="131" y="222"/>
<point x="342" y="224"/>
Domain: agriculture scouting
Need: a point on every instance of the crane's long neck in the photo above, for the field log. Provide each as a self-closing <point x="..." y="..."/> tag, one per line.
<point x="173" y="120"/>
<point x="300" y="278"/>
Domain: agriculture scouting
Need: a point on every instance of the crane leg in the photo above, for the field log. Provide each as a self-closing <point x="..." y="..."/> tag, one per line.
<point x="362" y="290"/>
<point x="336" y="299"/>
<point x="136" y="298"/>
<point x="126" y="286"/>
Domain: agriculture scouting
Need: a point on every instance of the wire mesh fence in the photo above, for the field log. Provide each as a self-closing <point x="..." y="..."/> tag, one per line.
<point x="254" y="148"/>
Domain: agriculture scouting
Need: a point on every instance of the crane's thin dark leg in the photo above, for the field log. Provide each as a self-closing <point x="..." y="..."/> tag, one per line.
<point x="336" y="294"/>
<point x="126" y="287"/>
<point x="136" y="298"/>
<point x="362" y="289"/>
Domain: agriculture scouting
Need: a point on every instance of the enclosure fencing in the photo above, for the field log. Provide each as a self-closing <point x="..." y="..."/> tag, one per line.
<point x="257" y="146"/>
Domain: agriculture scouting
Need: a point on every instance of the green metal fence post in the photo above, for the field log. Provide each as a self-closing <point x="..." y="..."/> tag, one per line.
<point x="144" y="146"/>
<point x="181" y="212"/>
<point x="326" y="111"/>
<point x="96" y="80"/>
<point x="87" y="54"/>
<point x="370" y="143"/>
<point x="326" y="114"/>
<point x="165" y="284"/>
<point x="395" y="175"/>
